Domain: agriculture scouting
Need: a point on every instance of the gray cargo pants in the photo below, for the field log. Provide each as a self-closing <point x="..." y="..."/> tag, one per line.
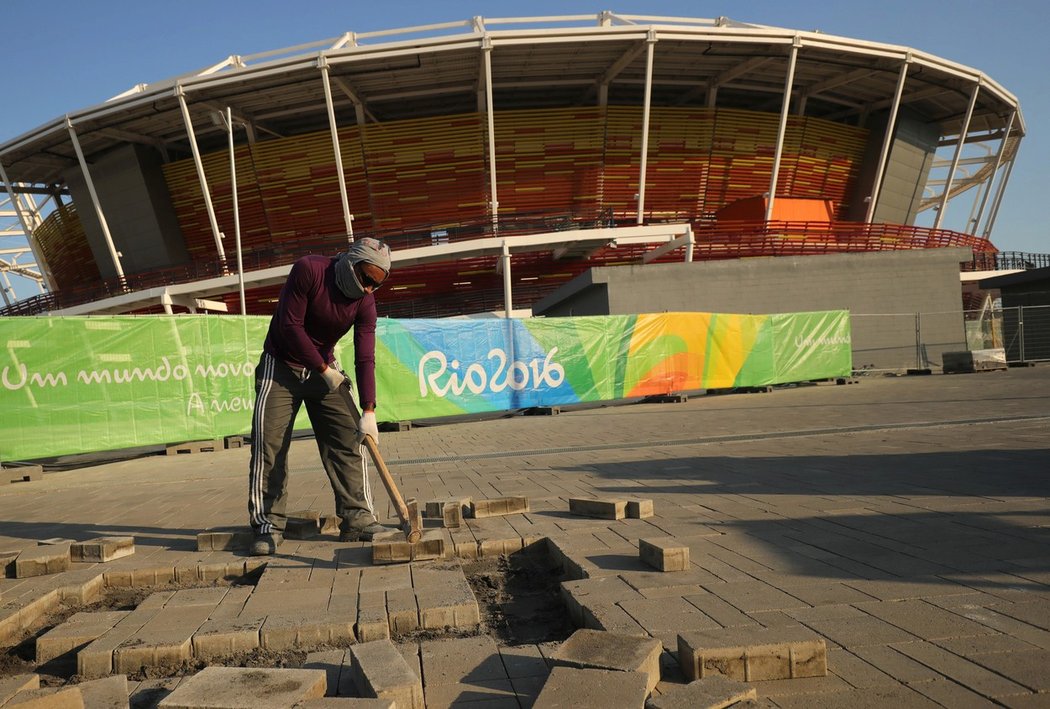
<point x="279" y="392"/>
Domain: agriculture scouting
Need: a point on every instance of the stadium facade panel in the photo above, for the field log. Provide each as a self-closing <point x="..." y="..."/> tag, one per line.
<point x="549" y="144"/>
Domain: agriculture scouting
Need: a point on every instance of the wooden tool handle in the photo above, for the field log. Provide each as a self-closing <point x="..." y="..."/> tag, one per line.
<point x="413" y="534"/>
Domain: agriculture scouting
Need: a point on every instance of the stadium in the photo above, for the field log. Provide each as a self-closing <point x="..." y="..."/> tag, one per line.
<point x="502" y="158"/>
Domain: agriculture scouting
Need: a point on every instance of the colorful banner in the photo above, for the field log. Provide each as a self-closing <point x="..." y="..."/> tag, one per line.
<point x="74" y="385"/>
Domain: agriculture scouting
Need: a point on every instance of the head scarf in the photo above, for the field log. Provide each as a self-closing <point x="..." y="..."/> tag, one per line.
<point x="368" y="250"/>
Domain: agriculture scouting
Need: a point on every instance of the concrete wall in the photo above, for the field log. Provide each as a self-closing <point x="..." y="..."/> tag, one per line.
<point x="137" y="207"/>
<point x="911" y="156"/>
<point x="882" y="291"/>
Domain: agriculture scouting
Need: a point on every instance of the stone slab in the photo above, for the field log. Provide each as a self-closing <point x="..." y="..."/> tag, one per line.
<point x="246" y="688"/>
<point x="612" y="651"/>
<point x="102" y="549"/>
<point x="571" y="687"/>
<point x="219" y="637"/>
<point x="751" y="655"/>
<point x="599" y="508"/>
<point x="380" y="671"/>
<point x="664" y="553"/>
<point x="714" y="692"/>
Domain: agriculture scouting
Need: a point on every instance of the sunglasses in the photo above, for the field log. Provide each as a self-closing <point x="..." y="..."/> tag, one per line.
<point x="366" y="280"/>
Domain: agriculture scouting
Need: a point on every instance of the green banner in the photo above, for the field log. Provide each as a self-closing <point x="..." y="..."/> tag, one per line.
<point x="81" y="384"/>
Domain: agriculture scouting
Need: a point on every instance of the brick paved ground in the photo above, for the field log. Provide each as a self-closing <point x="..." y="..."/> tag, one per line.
<point x="903" y="520"/>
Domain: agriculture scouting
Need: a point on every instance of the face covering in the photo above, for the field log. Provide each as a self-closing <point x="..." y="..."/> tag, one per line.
<point x="346" y="278"/>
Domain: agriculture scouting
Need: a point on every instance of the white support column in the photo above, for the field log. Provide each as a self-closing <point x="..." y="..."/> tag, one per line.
<point x="236" y="211"/>
<point x="348" y="220"/>
<point x="508" y="303"/>
<point x="689" y="243"/>
<point x="782" y="129"/>
<point x="113" y="254"/>
<point x="887" y="140"/>
<point x="998" y="164"/>
<point x="29" y="229"/>
<point x="7" y="291"/>
<point x="650" y="50"/>
<point x="958" y="154"/>
<point x="486" y="53"/>
<point x="216" y="234"/>
<point x="998" y="198"/>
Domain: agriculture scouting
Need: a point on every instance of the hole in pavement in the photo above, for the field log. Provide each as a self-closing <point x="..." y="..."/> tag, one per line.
<point x="519" y="597"/>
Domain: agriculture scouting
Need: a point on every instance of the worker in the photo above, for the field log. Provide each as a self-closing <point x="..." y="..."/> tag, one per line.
<point x="322" y="299"/>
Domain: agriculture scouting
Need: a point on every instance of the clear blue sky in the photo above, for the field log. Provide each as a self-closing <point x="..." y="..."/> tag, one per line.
<point x="68" y="55"/>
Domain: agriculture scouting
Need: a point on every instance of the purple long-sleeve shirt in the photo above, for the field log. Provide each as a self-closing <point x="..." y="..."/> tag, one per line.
<point x="313" y="315"/>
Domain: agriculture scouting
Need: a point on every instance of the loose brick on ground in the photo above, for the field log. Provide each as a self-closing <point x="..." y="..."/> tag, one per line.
<point x="380" y="671"/>
<point x="80" y="629"/>
<point x="640" y="509"/>
<point x="106" y="693"/>
<point x="748" y="654"/>
<point x="48" y="698"/>
<point x="600" y="508"/>
<point x="224" y="539"/>
<point x="42" y="560"/>
<point x="238" y="687"/>
<point x="13" y="684"/>
<point x="612" y="651"/>
<point x="102" y="549"/>
<point x="430" y="546"/>
<point x="714" y="692"/>
<point x="664" y="554"/>
<point x="498" y="506"/>
<point x="571" y="687"/>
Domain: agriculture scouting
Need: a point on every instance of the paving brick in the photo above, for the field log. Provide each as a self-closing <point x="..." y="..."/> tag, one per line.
<point x="750" y="655"/>
<point x="415" y="513"/>
<point x="347" y="703"/>
<point x="714" y="692"/>
<point x="96" y="659"/>
<point x="640" y="509"/>
<point x="165" y="639"/>
<point x="79" y="630"/>
<point x="224" y="539"/>
<point x="102" y="549"/>
<point x="497" y="506"/>
<point x="402" y="611"/>
<point x="963" y="671"/>
<point x="42" y="560"/>
<point x="430" y="546"/>
<point x="188" y="447"/>
<point x="664" y="554"/>
<point x="612" y="651"/>
<point x="452" y="515"/>
<point x="13" y="684"/>
<point x="220" y="637"/>
<point x="107" y="693"/>
<point x="600" y="508"/>
<point x="230" y="687"/>
<point x="461" y="660"/>
<point x="592" y="592"/>
<point x="448" y="608"/>
<point x="571" y="687"/>
<point x="48" y="698"/>
<point x="288" y="630"/>
<point x="523" y="661"/>
<point x="380" y="671"/>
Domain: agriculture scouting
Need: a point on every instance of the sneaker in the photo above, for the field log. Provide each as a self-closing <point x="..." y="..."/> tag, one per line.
<point x="266" y="544"/>
<point x="363" y="534"/>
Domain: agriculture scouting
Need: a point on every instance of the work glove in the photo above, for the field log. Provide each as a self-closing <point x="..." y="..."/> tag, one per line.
<point x="333" y="378"/>
<point x="367" y="426"/>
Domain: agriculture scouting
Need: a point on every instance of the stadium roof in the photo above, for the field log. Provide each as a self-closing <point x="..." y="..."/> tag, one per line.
<point x="535" y="62"/>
